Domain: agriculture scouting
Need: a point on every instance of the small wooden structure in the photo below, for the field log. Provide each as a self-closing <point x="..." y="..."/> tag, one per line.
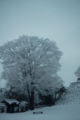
<point x="12" y="105"/>
<point x="3" y="108"/>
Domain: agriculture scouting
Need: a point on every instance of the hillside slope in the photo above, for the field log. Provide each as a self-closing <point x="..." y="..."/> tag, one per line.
<point x="72" y="95"/>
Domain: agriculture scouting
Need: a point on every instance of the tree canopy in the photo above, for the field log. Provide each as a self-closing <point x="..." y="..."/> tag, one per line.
<point x="31" y="63"/>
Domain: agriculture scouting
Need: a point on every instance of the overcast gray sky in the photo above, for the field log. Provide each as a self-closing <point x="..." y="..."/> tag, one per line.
<point x="58" y="20"/>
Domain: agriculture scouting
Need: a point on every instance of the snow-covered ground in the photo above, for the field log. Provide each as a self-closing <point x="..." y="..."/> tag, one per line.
<point x="67" y="108"/>
<point x="59" y="112"/>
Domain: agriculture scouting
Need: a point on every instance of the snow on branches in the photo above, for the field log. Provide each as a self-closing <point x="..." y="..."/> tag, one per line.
<point x="32" y="64"/>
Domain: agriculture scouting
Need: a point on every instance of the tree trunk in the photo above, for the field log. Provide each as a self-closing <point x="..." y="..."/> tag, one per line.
<point x="32" y="101"/>
<point x="31" y="97"/>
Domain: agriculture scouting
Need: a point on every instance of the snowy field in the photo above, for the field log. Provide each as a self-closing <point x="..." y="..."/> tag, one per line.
<point x="62" y="112"/>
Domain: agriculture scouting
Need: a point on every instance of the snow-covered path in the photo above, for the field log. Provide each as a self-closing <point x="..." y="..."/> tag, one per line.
<point x="63" y="112"/>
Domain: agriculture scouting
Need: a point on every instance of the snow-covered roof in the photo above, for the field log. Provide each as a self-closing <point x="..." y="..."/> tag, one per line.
<point x="10" y="101"/>
<point x="2" y="104"/>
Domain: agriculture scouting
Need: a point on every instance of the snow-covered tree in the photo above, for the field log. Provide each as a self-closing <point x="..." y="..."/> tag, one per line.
<point x="77" y="73"/>
<point x="31" y="63"/>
